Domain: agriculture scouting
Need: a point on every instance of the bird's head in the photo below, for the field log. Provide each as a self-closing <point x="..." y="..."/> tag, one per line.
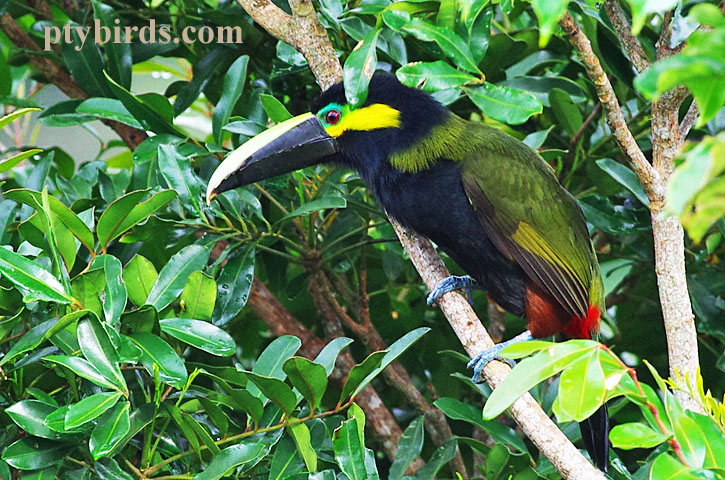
<point x="392" y="119"/>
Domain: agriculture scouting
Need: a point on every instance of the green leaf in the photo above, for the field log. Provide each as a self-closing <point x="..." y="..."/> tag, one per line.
<point x="108" y="108"/>
<point x="642" y="8"/>
<point x="690" y="437"/>
<point x="30" y="340"/>
<point x="433" y="76"/>
<point x="503" y="103"/>
<point x="98" y="349"/>
<point x="360" y="372"/>
<point x="233" y="87"/>
<point x="33" y="281"/>
<point x="328" y="355"/>
<point x="180" y="176"/>
<point x="349" y="445"/>
<point x="14" y="160"/>
<point x="301" y="435"/>
<point x="64" y="214"/>
<point x="581" y="387"/>
<point x="229" y="458"/>
<point x="458" y="410"/>
<point x="666" y="467"/>
<point x="4" y="121"/>
<point x="204" y="70"/>
<point x="276" y="111"/>
<point x="108" y="469"/>
<point x="331" y="201"/>
<point x="85" y="64"/>
<point x="139" y="275"/>
<point x="157" y="352"/>
<point x="275" y="390"/>
<point x="118" y="53"/>
<point x="30" y="416"/>
<point x="531" y="371"/>
<point x="635" y="435"/>
<point x="234" y="284"/>
<point x="200" y="334"/>
<point x="173" y="276"/>
<point x="409" y="447"/>
<point x="63" y="114"/>
<point x="359" y="68"/>
<point x="90" y="408"/>
<point x="115" y="290"/>
<point x="285" y="461"/>
<point x="392" y="353"/>
<point x="451" y="44"/>
<point x="146" y="115"/>
<point x="272" y="359"/>
<point x="199" y="296"/>
<point x="32" y="453"/>
<point x="83" y="368"/>
<point x="308" y="377"/>
<point x="566" y="111"/>
<point x="440" y="457"/>
<point x="626" y="177"/>
<point x="549" y="12"/>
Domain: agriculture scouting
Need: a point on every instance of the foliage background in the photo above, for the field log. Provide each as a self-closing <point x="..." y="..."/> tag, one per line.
<point x="315" y="242"/>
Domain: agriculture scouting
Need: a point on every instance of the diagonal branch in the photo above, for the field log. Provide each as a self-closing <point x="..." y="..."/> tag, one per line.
<point x="631" y="44"/>
<point x="615" y="118"/>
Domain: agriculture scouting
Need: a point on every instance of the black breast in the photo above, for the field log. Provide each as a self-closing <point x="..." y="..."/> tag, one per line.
<point x="433" y="203"/>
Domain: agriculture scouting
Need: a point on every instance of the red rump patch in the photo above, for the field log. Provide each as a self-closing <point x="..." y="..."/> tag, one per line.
<point x="582" y="327"/>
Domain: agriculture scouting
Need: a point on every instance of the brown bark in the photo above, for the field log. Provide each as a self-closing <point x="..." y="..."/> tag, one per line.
<point x="667" y="231"/>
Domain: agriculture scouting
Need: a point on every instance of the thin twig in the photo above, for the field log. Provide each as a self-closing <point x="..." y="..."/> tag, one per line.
<point x="688" y="121"/>
<point x="631" y="44"/>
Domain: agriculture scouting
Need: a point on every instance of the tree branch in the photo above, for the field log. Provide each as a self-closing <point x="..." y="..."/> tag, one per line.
<point x="631" y="44"/>
<point x="266" y="306"/>
<point x="615" y="118"/>
<point x="131" y="136"/>
<point x="687" y="122"/>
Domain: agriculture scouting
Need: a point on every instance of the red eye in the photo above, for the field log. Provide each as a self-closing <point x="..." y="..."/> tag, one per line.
<point x="332" y="117"/>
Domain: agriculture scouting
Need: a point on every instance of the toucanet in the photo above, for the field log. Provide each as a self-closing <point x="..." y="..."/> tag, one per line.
<point x="485" y="198"/>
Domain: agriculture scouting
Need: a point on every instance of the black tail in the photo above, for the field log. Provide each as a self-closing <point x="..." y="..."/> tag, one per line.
<point x="595" y="432"/>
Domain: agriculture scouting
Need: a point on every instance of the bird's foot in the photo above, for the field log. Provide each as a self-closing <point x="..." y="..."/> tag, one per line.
<point x="451" y="283"/>
<point x="482" y="359"/>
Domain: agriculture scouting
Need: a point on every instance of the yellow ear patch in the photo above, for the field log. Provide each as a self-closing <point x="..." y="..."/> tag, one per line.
<point x="372" y="117"/>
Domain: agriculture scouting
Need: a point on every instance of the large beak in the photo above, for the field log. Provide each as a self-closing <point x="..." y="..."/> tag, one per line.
<point x="291" y="145"/>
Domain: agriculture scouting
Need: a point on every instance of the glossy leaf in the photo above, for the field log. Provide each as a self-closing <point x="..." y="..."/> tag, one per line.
<point x="566" y="111"/>
<point x="433" y="76"/>
<point x="349" y="445"/>
<point x="30" y="416"/>
<point x="285" y="461"/>
<point x="626" y="177"/>
<point x="229" y="458"/>
<point x="63" y="114"/>
<point x="108" y="108"/>
<point x="115" y="289"/>
<point x="85" y="63"/>
<point x="450" y="43"/>
<point x="98" y="349"/>
<point x="409" y="447"/>
<point x="30" y="340"/>
<point x="332" y="201"/>
<point x="275" y="390"/>
<point x="200" y="334"/>
<point x="531" y="371"/>
<point x="199" y="296"/>
<point x="581" y="387"/>
<point x="328" y="355"/>
<point x="139" y="275"/>
<point x="549" y="12"/>
<point x="13" y="160"/>
<point x="118" y="53"/>
<point x="393" y="352"/>
<point x="233" y="286"/>
<point x="276" y="111"/>
<point x="90" y="408"/>
<point x="14" y="115"/>
<point x="234" y="80"/>
<point x="83" y="368"/>
<point x="204" y="70"/>
<point x="635" y="435"/>
<point x="33" y="281"/>
<point x="359" y="68"/>
<point x="503" y="103"/>
<point x="440" y="457"/>
<point x="360" y="372"/>
<point x="157" y="352"/>
<point x="173" y="276"/>
<point x="179" y="174"/>
<point x="301" y="435"/>
<point x="308" y="377"/>
<point x="32" y="453"/>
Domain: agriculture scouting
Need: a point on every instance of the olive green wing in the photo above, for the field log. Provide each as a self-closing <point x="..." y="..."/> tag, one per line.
<point x="532" y="219"/>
